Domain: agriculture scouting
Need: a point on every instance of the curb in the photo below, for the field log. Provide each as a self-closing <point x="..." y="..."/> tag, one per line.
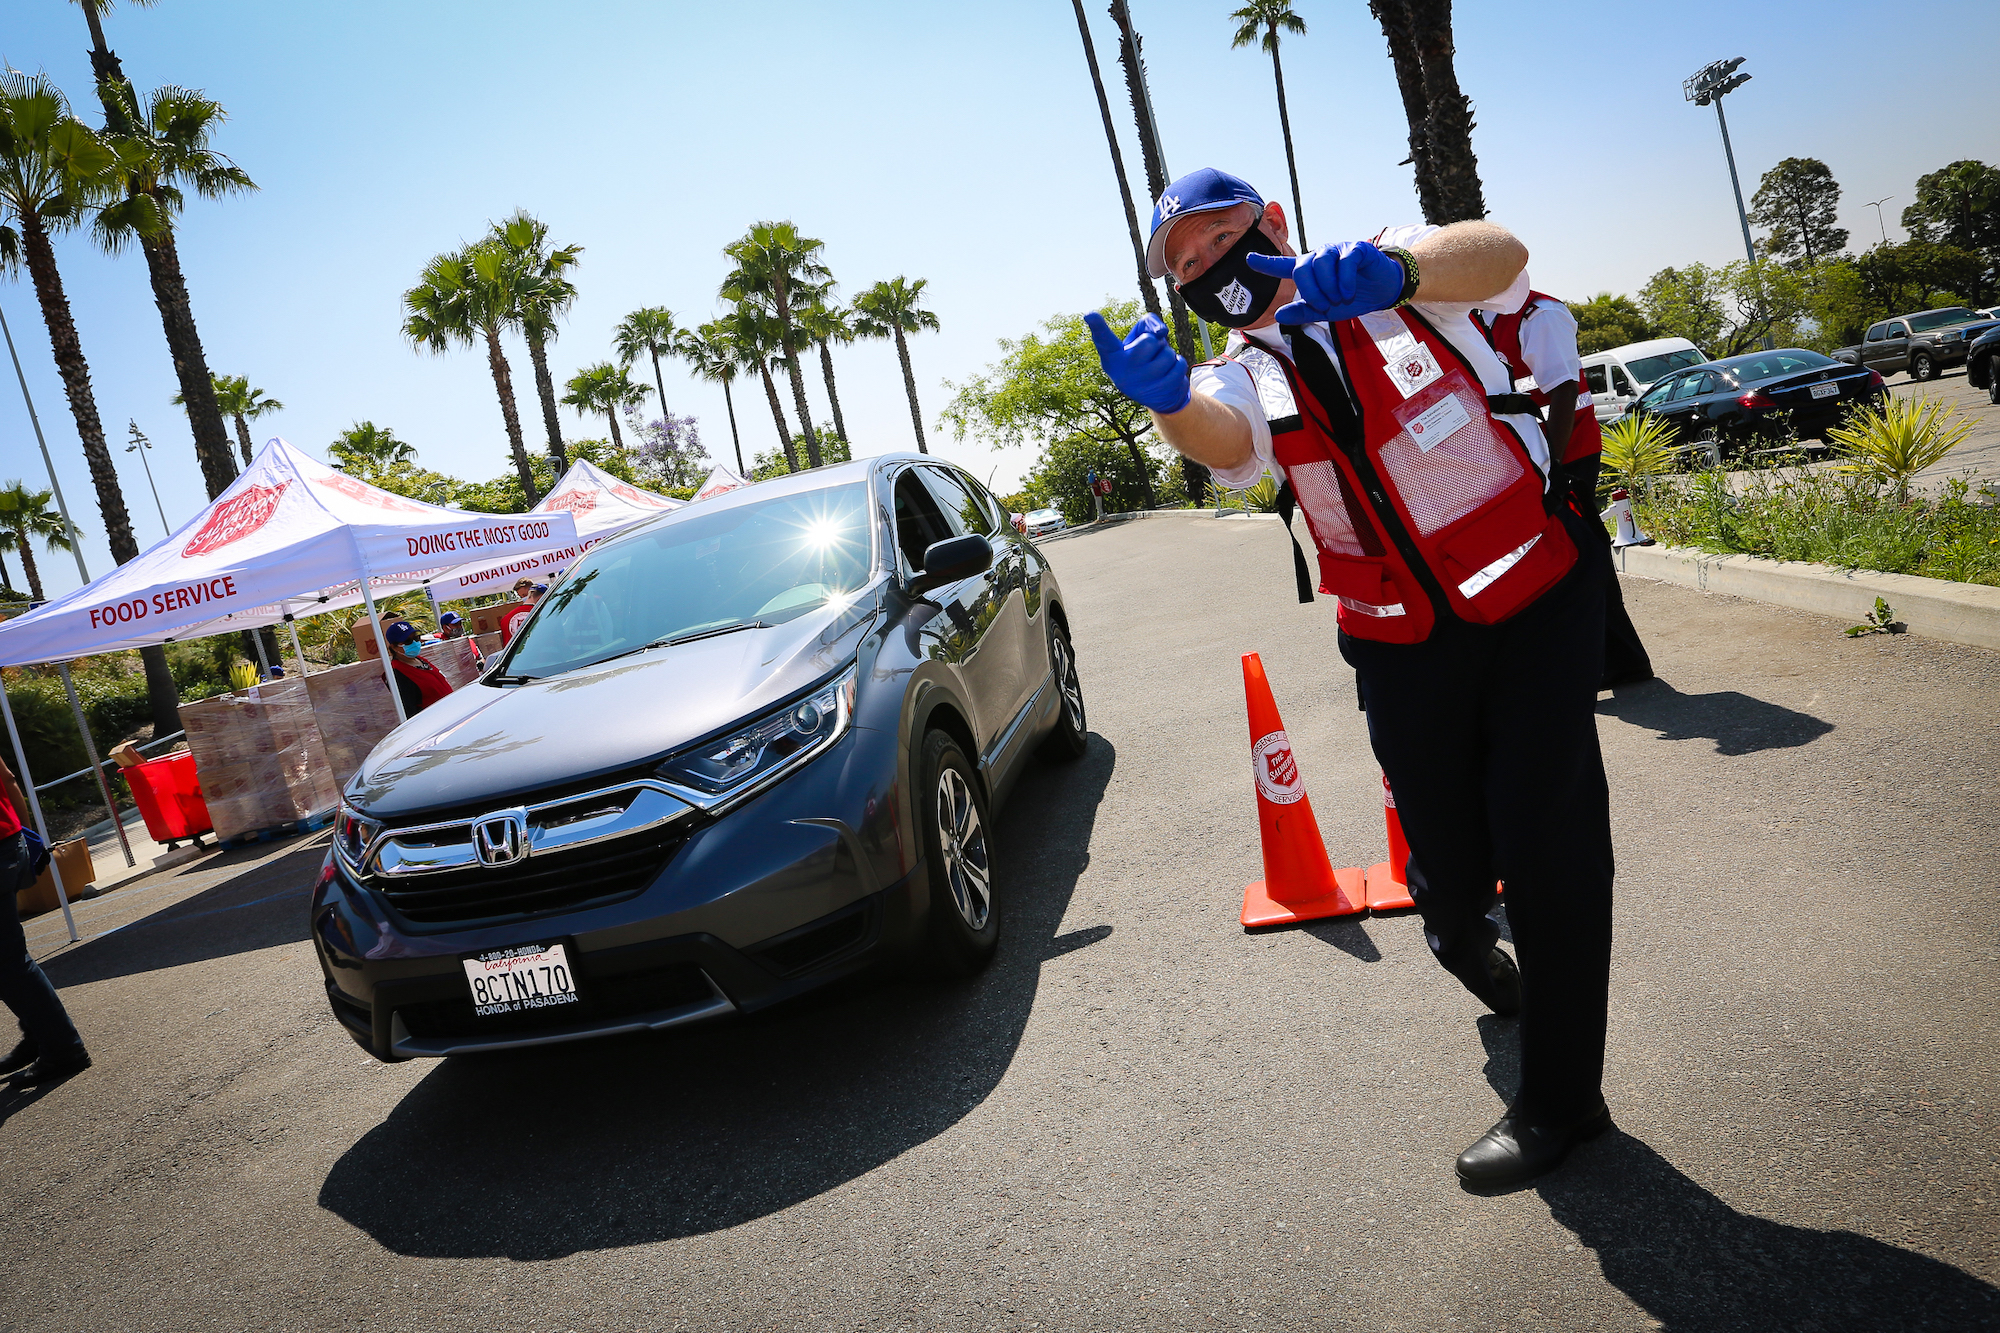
<point x="1936" y="608"/>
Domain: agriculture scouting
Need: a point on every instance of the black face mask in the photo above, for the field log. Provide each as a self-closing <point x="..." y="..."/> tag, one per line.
<point x="1231" y="292"/>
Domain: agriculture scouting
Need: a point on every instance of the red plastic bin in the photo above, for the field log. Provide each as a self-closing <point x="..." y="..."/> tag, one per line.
<point x="168" y="793"/>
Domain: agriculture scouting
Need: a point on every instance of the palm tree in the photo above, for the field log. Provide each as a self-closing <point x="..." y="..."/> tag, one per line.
<point x="546" y="296"/>
<point x="826" y="323"/>
<point x="890" y="310"/>
<point x="367" y="447"/>
<point x="1440" y="115"/>
<point x="242" y="404"/>
<point x="25" y="516"/>
<point x="1270" y="16"/>
<point x="1149" y="152"/>
<point x="1147" y="292"/>
<point x="605" y="387"/>
<point x="467" y="296"/>
<point x="754" y="332"/>
<point x="711" y="353"/>
<point x="164" y="146"/>
<point x="772" y="262"/>
<point x="650" y="330"/>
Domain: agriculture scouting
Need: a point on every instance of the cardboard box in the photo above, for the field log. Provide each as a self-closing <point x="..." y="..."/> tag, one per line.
<point x="78" y="872"/>
<point x="489" y="619"/>
<point x="260" y="756"/>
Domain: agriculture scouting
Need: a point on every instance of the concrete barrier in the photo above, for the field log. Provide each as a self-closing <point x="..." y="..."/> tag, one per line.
<point x="1936" y="608"/>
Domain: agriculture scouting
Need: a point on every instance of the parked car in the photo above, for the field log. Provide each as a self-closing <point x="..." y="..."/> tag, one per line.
<point x="1727" y="404"/>
<point x="740" y="751"/>
<point x="1042" y="522"/>
<point x="1982" y="363"/>
<point x="1925" y="344"/>
<point x="1616" y="378"/>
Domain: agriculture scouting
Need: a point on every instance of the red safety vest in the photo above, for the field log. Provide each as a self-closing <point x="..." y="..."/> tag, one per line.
<point x="1586" y="437"/>
<point x="430" y="682"/>
<point x="1435" y="502"/>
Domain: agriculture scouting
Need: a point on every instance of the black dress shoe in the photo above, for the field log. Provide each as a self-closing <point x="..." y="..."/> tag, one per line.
<point x="1522" y="1147"/>
<point x="1496" y="981"/>
<point x="21" y="1057"/>
<point x="54" y="1068"/>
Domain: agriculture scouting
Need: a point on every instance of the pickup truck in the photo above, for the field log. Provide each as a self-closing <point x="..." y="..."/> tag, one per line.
<point x="1925" y="344"/>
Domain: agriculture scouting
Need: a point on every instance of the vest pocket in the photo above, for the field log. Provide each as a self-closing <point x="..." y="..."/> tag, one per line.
<point x="1495" y="571"/>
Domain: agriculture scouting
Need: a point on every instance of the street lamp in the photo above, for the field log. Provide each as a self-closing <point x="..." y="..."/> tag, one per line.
<point x="75" y="542"/>
<point x="144" y="446"/>
<point x="1876" y="204"/>
<point x="1710" y="84"/>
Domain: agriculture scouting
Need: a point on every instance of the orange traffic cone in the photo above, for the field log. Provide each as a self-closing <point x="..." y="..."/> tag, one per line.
<point x="1388" y="882"/>
<point x="1299" y="883"/>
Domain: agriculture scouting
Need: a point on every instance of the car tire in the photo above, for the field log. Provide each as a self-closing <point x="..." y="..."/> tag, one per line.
<point x="1923" y="368"/>
<point x="964" y="919"/>
<point x="1993" y="387"/>
<point x="1071" y="735"/>
<point x="1710" y="449"/>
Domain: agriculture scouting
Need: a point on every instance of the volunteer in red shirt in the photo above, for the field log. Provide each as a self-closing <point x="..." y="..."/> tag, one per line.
<point x="528" y="593"/>
<point x="419" y="682"/>
<point x="1475" y="633"/>
<point x="50" y="1049"/>
<point x="1537" y="341"/>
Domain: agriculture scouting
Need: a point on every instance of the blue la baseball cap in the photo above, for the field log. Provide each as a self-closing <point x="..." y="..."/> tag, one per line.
<point x="1197" y="192"/>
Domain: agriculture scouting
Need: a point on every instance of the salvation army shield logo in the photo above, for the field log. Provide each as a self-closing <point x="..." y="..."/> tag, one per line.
<point x="1235" y="298"/>
<point x="633" y="496"/>
<point x="368" y="495"/>
<point x="236" y="518"/>
<point x="577" y="502"/>
<point x="1276" y="771"/>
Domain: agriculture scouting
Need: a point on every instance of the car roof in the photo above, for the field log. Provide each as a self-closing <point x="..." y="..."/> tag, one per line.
<point x="1650" y="347"/>
<point x="1745" y="358"/>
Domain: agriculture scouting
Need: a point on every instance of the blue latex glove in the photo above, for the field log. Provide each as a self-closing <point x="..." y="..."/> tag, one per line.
<point x="1337" y="282"/>
<point x="1143" y="366"/>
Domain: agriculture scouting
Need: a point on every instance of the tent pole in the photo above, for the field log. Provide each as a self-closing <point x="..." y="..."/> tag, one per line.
<point x="257" y="642"/>
<point x="96" y="767"/>
<point x="382" y="651"/>
<point x="291" y="627"/>
<point x="35" y="809"/>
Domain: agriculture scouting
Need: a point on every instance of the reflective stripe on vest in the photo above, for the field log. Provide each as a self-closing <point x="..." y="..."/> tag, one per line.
<point x="1434" y="504"/>
<point x="1586" y="437"/>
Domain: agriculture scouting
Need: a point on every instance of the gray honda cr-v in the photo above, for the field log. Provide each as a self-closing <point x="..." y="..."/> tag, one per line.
<point x="738" y="752"/>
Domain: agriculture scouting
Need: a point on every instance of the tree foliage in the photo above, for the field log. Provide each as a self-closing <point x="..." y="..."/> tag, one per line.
<point x="1729" y="309"/>
<point x="1798" y="202"/>
<point x="1606" y="321"/>
<point x="1958" y="206"/>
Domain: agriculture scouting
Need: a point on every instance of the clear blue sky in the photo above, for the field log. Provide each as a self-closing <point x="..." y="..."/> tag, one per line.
<point x="959" y="143"/>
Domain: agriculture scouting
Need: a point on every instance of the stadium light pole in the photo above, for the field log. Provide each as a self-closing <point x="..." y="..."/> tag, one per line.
<point x="75" y="542"/>
<point x="1709" y="85"/>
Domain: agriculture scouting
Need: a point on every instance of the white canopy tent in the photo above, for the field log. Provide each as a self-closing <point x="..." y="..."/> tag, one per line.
<point x="290" y="537"/>
<point x="596" y="501"/>
<point x="719" y="480"/>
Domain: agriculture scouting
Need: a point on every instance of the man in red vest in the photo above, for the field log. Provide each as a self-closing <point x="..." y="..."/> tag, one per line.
<point x="419" y="682"/>
<point x="49" y="1049"/>
<point x="1475" y="633"/>
<point x="1537" y="343"/>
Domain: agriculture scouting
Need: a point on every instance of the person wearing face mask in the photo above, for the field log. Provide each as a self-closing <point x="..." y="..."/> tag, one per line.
<point x="419" y="682"/>
<point x="1476" y="635"/>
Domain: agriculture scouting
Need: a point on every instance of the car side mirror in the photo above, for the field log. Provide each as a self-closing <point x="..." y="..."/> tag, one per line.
<point x="950" y="560"/>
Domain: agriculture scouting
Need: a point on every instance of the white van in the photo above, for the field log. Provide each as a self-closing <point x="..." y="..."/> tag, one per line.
<point x="1616" y="378"/>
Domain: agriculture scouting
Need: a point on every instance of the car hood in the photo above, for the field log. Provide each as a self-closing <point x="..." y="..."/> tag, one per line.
<point x="493" y="744"/>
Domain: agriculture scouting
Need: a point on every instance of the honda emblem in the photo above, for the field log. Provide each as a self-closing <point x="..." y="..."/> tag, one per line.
<point x="502" y="839"/>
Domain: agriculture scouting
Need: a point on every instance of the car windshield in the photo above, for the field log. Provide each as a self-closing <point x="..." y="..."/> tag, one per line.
<point x="1937" y="319"/>
<point x="1650" y="368"/>
<point x="1772" y="365"/>
<point x="1041" y="515"/>
<point x="749" y="565"/>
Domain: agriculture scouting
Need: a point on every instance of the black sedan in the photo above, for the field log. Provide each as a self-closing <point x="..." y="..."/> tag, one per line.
<point x="1727" y="404"/>
<point x="739" y="751"/>
<point x="1982" y="363"/>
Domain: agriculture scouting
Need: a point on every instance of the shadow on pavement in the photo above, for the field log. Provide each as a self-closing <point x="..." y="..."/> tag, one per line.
<point x="1697" y="1265"/>
<point x="255" y="910"/>
<point x="1738" y="723"/>
<point x="544" y="1153"/>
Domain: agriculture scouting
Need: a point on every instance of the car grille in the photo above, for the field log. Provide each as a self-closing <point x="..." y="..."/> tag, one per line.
<point x="600" y="1000"/>
<point x="552" y="882"/>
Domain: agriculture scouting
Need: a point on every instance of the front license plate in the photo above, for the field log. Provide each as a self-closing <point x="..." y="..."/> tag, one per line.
<point x="523" y="978"/>
<point x="1826" y="390"/>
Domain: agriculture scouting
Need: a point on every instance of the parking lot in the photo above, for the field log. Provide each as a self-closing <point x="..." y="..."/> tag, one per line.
<point x="1140" y="1117"/>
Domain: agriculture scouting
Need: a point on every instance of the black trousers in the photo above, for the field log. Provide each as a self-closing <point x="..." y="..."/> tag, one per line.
<point x="1625" y="656"/>
<point x="23" y="987"/>
<point x="1488" y="735"/>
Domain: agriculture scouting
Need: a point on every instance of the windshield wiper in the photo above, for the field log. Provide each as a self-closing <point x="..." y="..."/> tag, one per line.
<point x="681" y="638"/>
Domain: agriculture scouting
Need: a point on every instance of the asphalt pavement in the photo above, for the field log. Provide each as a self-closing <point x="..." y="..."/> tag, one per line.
<point x="1140" y="1117"/>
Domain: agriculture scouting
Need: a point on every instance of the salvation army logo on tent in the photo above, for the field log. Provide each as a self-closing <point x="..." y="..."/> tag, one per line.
<point x="1235" y="297"/>
<point x="577" y="502"/>
<point x="236" y="518"/>
<point x="632" y="495"/>
<point x="1276" y="771"/>
<point x="368" y="495"/>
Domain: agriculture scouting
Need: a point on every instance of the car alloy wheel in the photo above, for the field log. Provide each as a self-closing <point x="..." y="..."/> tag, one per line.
<point x="1922" y="367"/>
<point x="962" y="841"/>
<point x="1070" y="737"/>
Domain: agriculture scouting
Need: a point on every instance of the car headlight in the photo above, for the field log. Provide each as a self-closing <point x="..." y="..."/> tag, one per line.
<point x="352" y="832"/>
<point x="761" y="750"/>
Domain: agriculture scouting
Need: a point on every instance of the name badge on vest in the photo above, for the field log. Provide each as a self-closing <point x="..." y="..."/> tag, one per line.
<point x="1411" y="364"/>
